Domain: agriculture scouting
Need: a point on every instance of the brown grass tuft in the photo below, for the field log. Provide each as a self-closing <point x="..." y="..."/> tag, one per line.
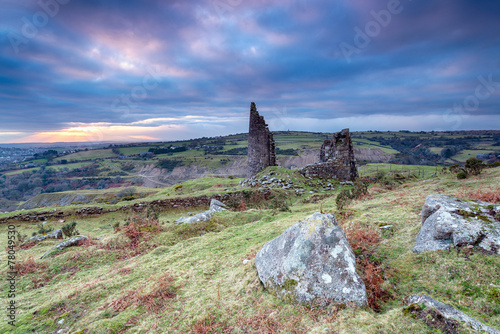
<point x="362" y="238"/>
<point x="486" y="194"/>
<point x="27" y="245"/>
<point x="363" y="241"/>
<point x="242" y="206"/>
<point x="29" y="267"/>
<point x="154" y="301"/>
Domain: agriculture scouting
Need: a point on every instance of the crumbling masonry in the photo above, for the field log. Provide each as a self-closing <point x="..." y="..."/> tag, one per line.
<point x="261" y="149"/>
<point x="336" y="159"/>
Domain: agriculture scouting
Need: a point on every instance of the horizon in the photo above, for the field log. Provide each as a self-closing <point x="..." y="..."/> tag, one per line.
<point x="94" y="143"/>
<point x="151" y="71"/>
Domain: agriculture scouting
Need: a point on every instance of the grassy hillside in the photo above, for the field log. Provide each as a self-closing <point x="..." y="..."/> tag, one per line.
<point x="153" y="276"/>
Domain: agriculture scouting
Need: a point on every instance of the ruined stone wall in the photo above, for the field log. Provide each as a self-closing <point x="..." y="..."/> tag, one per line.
<point x="336" y="159"/>
<point x="231" y="199"/>
<point x="261" y="148"/>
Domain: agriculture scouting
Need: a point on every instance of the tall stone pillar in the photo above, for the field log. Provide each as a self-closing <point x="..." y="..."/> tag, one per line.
<point x="261" y="148"/>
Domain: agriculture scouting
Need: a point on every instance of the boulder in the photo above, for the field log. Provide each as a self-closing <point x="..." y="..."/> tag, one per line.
<point x="57" y="234"/>
<point x="449" y="312"/>
<point x="215" y="206"/>
<point x="311" y="263"/>
<point x="75" y="241"/>
<point x="447" y="220"/>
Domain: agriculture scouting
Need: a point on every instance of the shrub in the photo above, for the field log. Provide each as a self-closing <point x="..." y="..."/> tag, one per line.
<point x="494" y="164"/>
<point x="69" y="230"/>
<point x="455" y="168"/>
<point x="126" y="192"/>
<point x="474" y="166"/>
<point x="43" y="230"/>
<point x="462" y="175"/>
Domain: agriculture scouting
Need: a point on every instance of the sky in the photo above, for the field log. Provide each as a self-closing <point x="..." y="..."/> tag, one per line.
<point x="122" y="70"/>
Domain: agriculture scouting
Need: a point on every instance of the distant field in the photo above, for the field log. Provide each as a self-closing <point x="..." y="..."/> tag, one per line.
<point x="365" y="143"/>
<point x="87" y="155"/>
<point x="466" y="154"/>
<point x="374" y="168"/>
<point x="19" y="171"/>
<point x="436" y="150"/>
<point x="71" y="165"/>
<point x="134" y="150"/>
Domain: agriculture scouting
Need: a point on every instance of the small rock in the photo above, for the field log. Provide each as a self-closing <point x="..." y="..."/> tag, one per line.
<point x="245" y="261"/>
<point x="57" y="234"/>
<point x="449" y="312"/>
<point x="215" y="206"/>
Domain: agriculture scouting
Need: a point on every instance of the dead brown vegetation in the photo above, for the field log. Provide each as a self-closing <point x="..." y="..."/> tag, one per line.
<point x="486" y="194"/>
<point x="363" y="241"/>
<point x="29" y="266"/>
<point x="154" y="301"/>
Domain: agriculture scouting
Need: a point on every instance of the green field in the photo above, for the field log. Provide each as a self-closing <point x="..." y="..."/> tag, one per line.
<point x="467" y="154"/>
<point x="134" y="150"/>
<point x="88" y="155"/>
<point x="393" y="169"/>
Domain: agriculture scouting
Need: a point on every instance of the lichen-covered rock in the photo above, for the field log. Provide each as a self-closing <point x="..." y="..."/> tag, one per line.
<point x="450" y="313"/>
<point x="75" y="241"/>
<point x="215" y="206"/>
<point x="311" y="263"/>
<point x="447" y="220"/>
<point x="57" y="234"/>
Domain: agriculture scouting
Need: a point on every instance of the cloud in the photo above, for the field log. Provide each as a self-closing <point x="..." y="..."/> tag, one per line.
<point x="92" y="61"/>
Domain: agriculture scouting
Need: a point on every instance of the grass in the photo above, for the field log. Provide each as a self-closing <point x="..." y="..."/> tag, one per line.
<point x="466" y="154"/>
<point x="420" y="171"/>
<point x="191" y="279"/>
<point x="87" y="155"/>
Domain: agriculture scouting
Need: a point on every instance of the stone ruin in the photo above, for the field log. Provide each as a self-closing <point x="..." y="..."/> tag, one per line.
<point x="261" y="148"/>
<point x="336" y="159"/>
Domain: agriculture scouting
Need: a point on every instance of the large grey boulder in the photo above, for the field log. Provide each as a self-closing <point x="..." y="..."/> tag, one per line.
<point x="450" y="313"/>
<point x="447" y="220"/>
<point x="215" y="206"/>
<point x="57" y="234"/>
<point x="311" y="263"/>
